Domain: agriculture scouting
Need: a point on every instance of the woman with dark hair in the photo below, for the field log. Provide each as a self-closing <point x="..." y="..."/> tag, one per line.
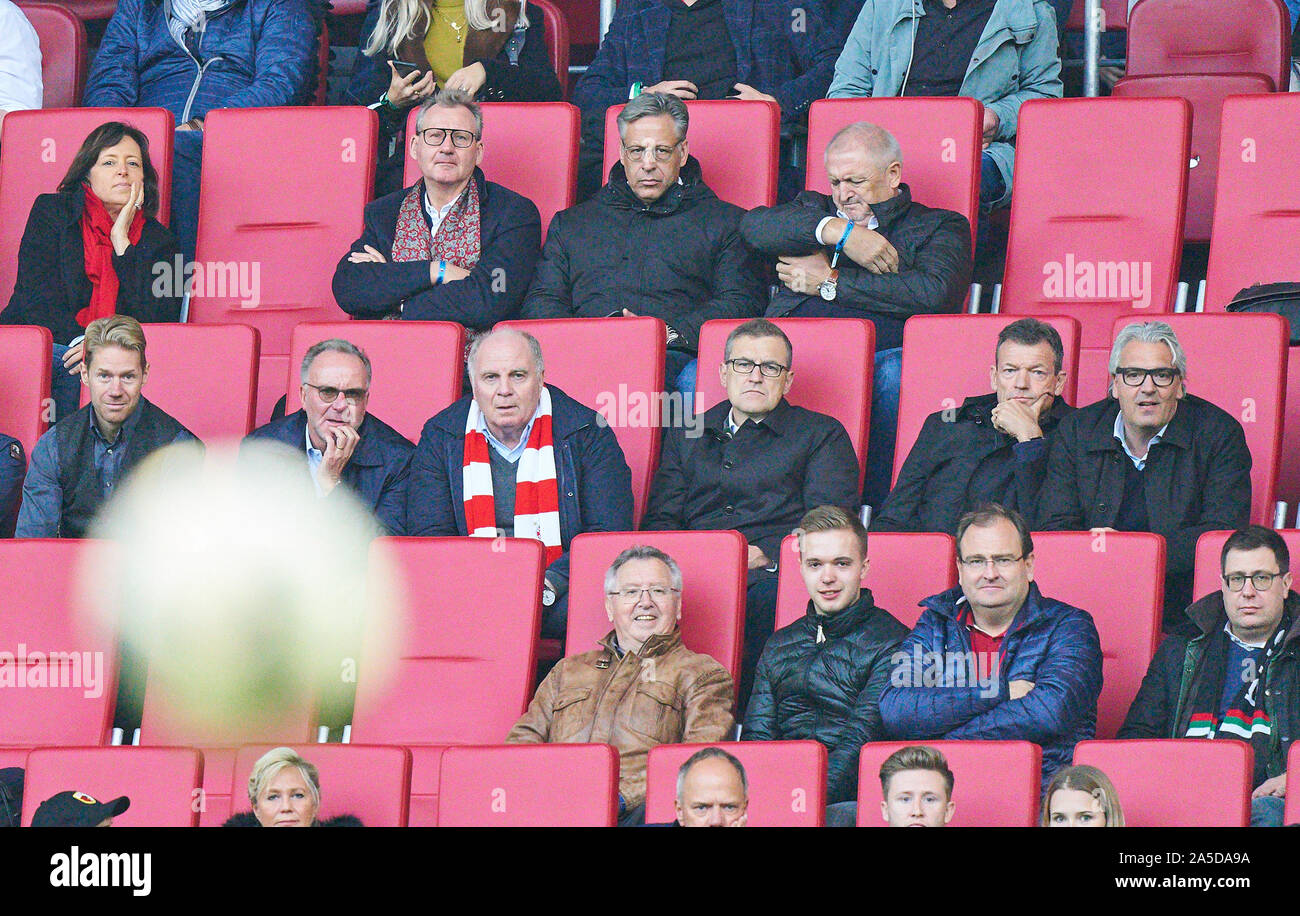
<point x="89" y="251"/>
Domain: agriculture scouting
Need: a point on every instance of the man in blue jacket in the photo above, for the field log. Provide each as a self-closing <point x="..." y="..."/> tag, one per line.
<point x="344" y="444"/>
<point x="519" y="458"/>
<point x="992" y="658"/>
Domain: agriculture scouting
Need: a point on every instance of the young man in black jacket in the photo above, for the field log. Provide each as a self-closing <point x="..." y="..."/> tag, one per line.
<point x="820" y="677"/>
<point x="1239" y="676"/>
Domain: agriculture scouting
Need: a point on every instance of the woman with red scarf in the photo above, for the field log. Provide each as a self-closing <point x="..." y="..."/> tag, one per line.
<point x="89" y="251"/>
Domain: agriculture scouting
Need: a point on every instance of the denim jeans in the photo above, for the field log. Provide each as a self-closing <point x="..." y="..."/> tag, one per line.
<point x="884" y="426"/>
<point x="187" y="160"/>
<point x="679" y="375"/>
<point x="1267" y="811"/>
<point x="65" y="389"/>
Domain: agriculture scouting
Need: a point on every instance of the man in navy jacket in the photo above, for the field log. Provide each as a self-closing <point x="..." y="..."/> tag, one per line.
<point x="993" y="658"/>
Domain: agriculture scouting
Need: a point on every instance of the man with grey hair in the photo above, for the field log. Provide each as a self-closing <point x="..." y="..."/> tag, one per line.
<point x="519" y="458"/>
<point x="1155" y="458"/>
<point x="866" y="250"/>
<point x="654" y="238"/>
<point x="712" y="790"/>
<point x="641" y="687"/>
<point x="453" y="246"/>
<point x="341" y="442"/>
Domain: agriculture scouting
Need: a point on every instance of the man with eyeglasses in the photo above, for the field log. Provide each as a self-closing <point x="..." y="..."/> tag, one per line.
<point x="757" y="466"/>
<point x="993" y="658"/>
<point x="641" y="687"/>
<point x="991" y="449"/>
<point x="1238" y="677"/>
<point x="342" y="442"/>
<point x="1155" y="458"/>
<point x="453" y="246"/>
<point x="654" y="241"/>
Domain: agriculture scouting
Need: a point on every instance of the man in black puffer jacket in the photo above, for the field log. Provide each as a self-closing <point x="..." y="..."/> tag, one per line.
<point x="820" y="677"/>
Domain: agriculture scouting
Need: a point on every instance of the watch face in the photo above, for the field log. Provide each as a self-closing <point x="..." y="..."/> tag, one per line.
<point x="827" y="290"/>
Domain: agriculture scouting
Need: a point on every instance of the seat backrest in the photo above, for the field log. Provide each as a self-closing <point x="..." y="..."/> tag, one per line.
<point x="529" y="785"/>
<point x="204" y="376"/>
<point x="1208" y="36"/>
<point x="714" y="128"/>
<point x="946" y="359"/>
<point x="617" y="369"/>
<point x="713" y="565"/>
<point x="25" y="383"/>
<point x="787" y="781"/>
<point x="416" y="367"/>
<point x="89" y="10"/>
<point x="1208" y="576"/>
<point x="1291" y="812"/>
<point x="513" y="132"/>
<point x="906" y="567"/>
<point x="1118" y="578"/>
<point x="270" y="232"/>
<point x="833" y="366"/>
<point x="1114" y="16"/>
<point x="1176" y="782"/>
<point x="1097" y="214"/>
<point x="63" y="52"/>
<point x="1256" y="233"/>
<point x="466" y="647"/>
<point x="1214" y="345"/>
<point x="36" y="149"/>
<point x="1206" y="92"/>
<point x="369" y="782"/>
<point x="940" y="139"/>
<point x="995" y="783"/>
<point x="161" y="782"/>
<point x="557" y="40"/>
<point x="44" y="616"/>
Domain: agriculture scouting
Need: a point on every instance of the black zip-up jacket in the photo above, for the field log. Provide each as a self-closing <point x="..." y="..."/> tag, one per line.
<point x="962" y="460"/>
<point x="826" y="691"/>
<point x="680" y="259"/>
<point x="934" y="261"/>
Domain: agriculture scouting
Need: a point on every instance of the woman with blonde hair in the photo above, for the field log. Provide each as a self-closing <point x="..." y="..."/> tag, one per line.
<point x="284" y="790"/>
<point x="1081" y="796"/>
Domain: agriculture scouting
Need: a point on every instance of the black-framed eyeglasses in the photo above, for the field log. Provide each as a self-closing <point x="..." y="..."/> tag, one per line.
<point x="1261" y="580"/>
<point x="746" y="366"/>
<point x="661" y="153"/>
<point x="461" y="139"/>
<point x="1133" y="377"/>
<point x="330" y="394"/>
<point x="1002" y="564"/>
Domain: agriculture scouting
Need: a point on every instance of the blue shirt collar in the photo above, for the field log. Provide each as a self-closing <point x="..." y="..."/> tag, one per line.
<point x="1139" y="463"/>
<point x="510" y="454"/>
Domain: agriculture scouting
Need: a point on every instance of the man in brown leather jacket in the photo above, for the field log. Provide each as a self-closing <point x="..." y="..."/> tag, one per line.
<point x="641" y="688"/>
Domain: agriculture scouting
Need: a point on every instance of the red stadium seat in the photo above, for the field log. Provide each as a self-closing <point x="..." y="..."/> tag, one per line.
<point x="1215" y="345"/>
<point x="87" y="10"/>
<point x="715" y="127"/>
<point x="905" y="568"/>
<point x="713" y="568"/>
<point x="37" y="149"/>
<point x="557" y="41"/>
<point x="1291" y="813"/>
<point x="787" y="781"/>
<point x="163" y="783"/>
<point x="939" y="371"/>
<point x="1097" y="214"/>
<point x="583" y="21"/>
<point x="205" y="377"/>
<point x="281" y="226"/>
<point x="41" y="616"/>
<point x="1176" y="782"/>
<point x="1210" y="36"/>
<point x="416" y="367"/>
<point x="63" y="52"/>
<point x="617" y="369"/>
<point x="25" y="383"/>
<point x="1209" y="546"/>
<point x="940" y="138"/>
<point x="833" y="366"/>
<point x="1206" y="92"/>
<point x="372" y="783"/>
<point x="1118" y="578"/>
<point x="512" y="133"/>
<point x="458" y="589"/>
<point x="995" y="783"/>
<point x="529" y="785"/>
<point x="1114" y="16"/>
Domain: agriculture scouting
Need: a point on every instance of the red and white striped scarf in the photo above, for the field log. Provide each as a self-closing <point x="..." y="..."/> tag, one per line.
<point x="537" y="492"/>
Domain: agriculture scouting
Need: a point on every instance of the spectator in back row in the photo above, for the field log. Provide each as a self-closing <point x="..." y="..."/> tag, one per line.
<point x="519" y="458"/>
<point x="341" y="441"/>
<point x="655" y="240"/>
<point x="1154" y="459"/>
<point x="13" y="466"/>
<point x="866" y="251"/>
<point x="991" y="449"/>
<point x="91" y="250"/>
<point x="452" y="247"/>
<point x="20" y="61"/>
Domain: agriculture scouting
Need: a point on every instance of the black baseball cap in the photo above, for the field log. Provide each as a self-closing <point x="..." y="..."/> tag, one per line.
<point x="77" y="809"/>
